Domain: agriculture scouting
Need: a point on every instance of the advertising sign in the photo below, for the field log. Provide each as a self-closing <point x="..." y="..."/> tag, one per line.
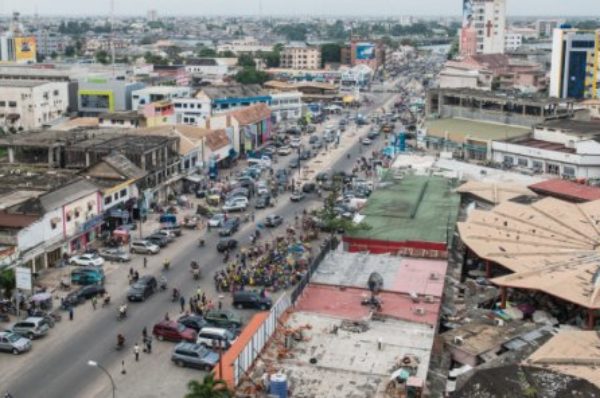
<point x="25" y="49"/>
<point x="23" y="278"/>
<point x="365" y="51"/>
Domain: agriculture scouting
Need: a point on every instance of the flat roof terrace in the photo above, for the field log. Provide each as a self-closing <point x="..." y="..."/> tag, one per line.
<point x="457" y="130"/>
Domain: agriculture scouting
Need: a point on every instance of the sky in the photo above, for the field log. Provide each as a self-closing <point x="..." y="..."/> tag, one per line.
<point x="292" y="7"/>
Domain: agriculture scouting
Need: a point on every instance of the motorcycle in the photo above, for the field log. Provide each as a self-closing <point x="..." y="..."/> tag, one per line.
<point x="163" y="284"/>
<point x="175" y="295"/>
<point x="196" y="274"/>
<point x="122" y="313"/>
<point x="106" y="301"/>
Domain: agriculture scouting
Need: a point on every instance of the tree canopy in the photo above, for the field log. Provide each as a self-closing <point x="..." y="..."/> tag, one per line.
<point x="209" y="388"/>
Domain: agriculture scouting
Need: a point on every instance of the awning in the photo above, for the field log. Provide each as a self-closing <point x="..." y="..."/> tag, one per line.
<point x="195" y="178"/>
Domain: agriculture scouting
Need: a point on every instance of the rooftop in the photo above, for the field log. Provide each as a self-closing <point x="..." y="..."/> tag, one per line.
<point x="189" y="136"/>
<point x="29" y="180"/>
<point x="567" y="190"/>
<point x="493" y="193"/>
<point x="577" y="127"/>
<point x="165" y="90"/>
<point x="21" y="83"/>
<point x="547" y="245"/>
<point x="539" y="144"/>
<point x="233" y="91"/>
<point x="455" y="129"/>
<point x="251" y="114"/>
<point x="497" y="96"/>
<point x="416" y="208"/>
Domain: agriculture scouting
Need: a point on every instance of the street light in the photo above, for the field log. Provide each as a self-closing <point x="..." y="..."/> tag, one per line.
<point x="95" y="364"/>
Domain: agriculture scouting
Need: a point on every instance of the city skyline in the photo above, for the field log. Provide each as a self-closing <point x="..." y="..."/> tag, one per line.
<point x="306" y="7"/>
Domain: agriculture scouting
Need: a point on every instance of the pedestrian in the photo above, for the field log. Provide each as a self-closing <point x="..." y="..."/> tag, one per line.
<point x="136" y="352"/>
<point x="94" y="302"/>
<point x="131" y="271"/>
<point x="144" y="333"/>
<point x="182" y="303"/>
<point x="145" y="262"/>
<point x="167" y="317"/>
<point x="71" y="313"/>
<point x="149" y="345"/>
<point x="220" y="304"/>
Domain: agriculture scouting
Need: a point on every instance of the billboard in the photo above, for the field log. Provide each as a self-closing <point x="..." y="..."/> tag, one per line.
<point x="467" y="13"/>
<point x="365" y="51"/>
<point x="25" y="49"/>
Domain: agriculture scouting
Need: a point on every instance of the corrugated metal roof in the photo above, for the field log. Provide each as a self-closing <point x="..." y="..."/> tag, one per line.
<point x="567" y="189"/>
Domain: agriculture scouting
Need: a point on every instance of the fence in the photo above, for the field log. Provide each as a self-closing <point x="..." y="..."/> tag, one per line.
<point x="331" y="244"/>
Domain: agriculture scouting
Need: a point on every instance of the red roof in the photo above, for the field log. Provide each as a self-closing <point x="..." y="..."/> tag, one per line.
<point x="251" y="114"/>
<point x="16" y="221"/>
<point x="567" y="190"/>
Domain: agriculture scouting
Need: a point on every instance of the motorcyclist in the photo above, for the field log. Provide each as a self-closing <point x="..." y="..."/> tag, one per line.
<point x="123" y="311"/>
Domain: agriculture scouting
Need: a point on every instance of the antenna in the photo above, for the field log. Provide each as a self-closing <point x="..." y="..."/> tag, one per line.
<point x="112" y="34"/>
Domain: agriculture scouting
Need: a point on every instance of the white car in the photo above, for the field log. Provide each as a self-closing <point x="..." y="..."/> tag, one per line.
<point x="217" y="220"/>
<point x="86" y="260"/>
<point x="284" y="151"/>
<point x="236" y="204"/>
<point x="366" y="141"/>
<point x="295" y="142"/>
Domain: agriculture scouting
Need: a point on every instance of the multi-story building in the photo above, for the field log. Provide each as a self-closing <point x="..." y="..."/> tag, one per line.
<point x="191" y="111"/>
<point x="545" y="27"/>
<point x="18" y="49"/>
<point x="145" y="96"/>
<point x="98" y="95"/>
<point x="575" y="63"/>
<point x="512" y="40"/>
<point x="28" y="104"/>
<point x="51" y="43"/>
<point x="484" y="26"/>
<point x="286" y="105"/>
<point x="225" y="99"/>
<point x="300" y="56"/>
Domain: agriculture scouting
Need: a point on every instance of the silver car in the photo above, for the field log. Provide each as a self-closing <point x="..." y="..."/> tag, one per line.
<point x="32" y="327"/>
<point x="194" y="356"/>
<point x="15" y="343"/>
<point x="118" y="255"/>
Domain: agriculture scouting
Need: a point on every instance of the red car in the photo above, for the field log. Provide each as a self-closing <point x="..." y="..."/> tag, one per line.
<point x="173" y="331"/>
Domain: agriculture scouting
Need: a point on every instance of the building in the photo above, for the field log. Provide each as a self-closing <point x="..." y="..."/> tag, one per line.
<point x="286" y="105"/>
<point x="593" y="106"/>
<point x="211" y="69"/>
<point x="29" y="104"/>
<point x="355" y="78"/>
<point x="512" y="40"/>
<point x="369" y="53"/>
<point x="575" y="63"/>
<point x="300" y="56"/>
<point x="311" y="91"/>
<point x="465" y="75"/>
<point x="545" y="27"/>
<point x="413" y="216"/>
<point x="566" y="148"/>
<point x="158" y="113"/>
<point x="50" y="43"/>
<point x="192" y="111"/>
<point x="227" y="98"/>
<point x="247" y="45"/>
<point x="566" y="190"/>
<point x="98" y="95"/>
<point x="18" y="49"/>
<point x="125" y="120"/>
<point x="483" y="28"/>
<point x="141" y="98"/>
<point x="152" y="15"/>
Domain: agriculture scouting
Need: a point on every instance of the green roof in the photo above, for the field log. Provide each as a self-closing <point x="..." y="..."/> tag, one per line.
<point x="458" y="129"/>
<point x="416" y="208"/>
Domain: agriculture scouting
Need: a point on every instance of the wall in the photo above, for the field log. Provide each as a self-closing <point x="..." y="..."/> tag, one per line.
<point x="73" y="226"/>
<point x="116" y="195"/>
<point x="374" y="246"/>
<point x="41" y="231"/>
<point x="490" y="116"/>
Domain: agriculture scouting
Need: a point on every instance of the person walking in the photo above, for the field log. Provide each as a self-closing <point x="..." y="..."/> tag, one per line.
<point x="182" y="303"/>
<point x="71" y="313"/>
<point x="94" y="302"/>
<point x="149" y="345"/>
<point x="136" y="352"/>
<point x="145" y="262"/>
<point x="144" y="333"/>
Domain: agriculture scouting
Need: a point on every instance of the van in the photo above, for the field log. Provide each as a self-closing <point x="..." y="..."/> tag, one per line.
<point x="144" y="247"/>
<point x="212" y="337"/>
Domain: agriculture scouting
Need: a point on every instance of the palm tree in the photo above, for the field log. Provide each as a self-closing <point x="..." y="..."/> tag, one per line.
<point x="209" y="388"/>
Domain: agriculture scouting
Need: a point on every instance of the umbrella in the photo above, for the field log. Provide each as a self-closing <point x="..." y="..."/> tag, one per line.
<point x="41" y="297"/>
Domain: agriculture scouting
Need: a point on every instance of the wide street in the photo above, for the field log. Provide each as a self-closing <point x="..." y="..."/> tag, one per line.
<point x="57" y="365"/>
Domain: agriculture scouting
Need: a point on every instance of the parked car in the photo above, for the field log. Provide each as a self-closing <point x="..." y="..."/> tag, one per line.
<point x="217" y="220"/>
<point x="297" y="196"/>
<point x="209" y="337"/>
<point x="366" y="141"/>
<point x="87" y="259"/>
<point x="322" y="176"/>
<point x="144" y="247"/>
<point x="118" y="255"/>
<point x="173" y="331"/>
<point x="226" y="244"/>
<point x="194" y="356"/>
<point x="175" y="229"/>
<point x="87" y="276"/>
<point x="13" y="342"/>
<point x="273" y="221"/>
<point x="84" y="293"/>
<point x="230" y="227"/>
<point x="317" y="144"/>
<point x="313" y="139"/>
<point x="295" y="142"/>
<point x="294" y="163"/>
<point x="262" y="202"/>
<point x="238" y="192"/>
<point x="32" y="327"/>
<point x="168" y="235"/>
<point x="250" y="299"/>
<point x="142" y="289"/>
<point x="195" y="322"/>
<point x="305" y="155"/>
<point x="284" y="150"/>
<point x="157" y="240"/>
<point x="223" y="319"/>
<point x="236" y="204"/>
<point x="309" y="187"/>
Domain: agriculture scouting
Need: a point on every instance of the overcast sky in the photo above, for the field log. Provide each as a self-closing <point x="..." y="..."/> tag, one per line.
<point x="287" y="7"/>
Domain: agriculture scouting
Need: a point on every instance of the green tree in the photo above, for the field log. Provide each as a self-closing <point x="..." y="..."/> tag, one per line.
<point x="7" y="281"/>
<point x="147" y="40"/>
<point x="331" y="52"/>
<point x="294" y="32"/>
<point x="102" y="57"/>
<point x="209" y="388"/>
<point x="226" y="54"/>
<point x="250" y="75"/>
<point x="336" y="31"/>
<point x="69" y="51"/>
<point x="246" y="60"/>
<point x="332" y="222"/>
<point x="207" y="52"/>
<point x="154" y="59"/>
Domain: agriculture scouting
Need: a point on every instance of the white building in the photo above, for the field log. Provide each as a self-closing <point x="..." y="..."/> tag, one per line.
<point x="464" y="75"/>
<point x="489" y="22"/>
<point x="512" y="40"/>
<point x="561" y="147"/>
<point x="29" y="104"/>
<point x="212" y="69"/>
<point x="246" y="45"/>
<point x="191" y="111"/>
<point x="148" y="95"/>
<point x="286" y="105"/>
<point x="545" y="27"/>
<point x="300" y="56"/>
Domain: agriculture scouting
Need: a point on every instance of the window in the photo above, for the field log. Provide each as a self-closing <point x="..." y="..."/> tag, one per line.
<point x="553" y="169"/>
<point x="523" y="162"/>
<point x="123" y="192"/>
<point x="52" y="224"/>
<point x="68" y="217"/>
<point x="508" y="160"/>
<point x="2" y="103"/>
<point x="90" y="206"/>
<point x="107" y="200"/>
<point x="537" y="165"/>
<point x="116" y="196"/>
<point x="55" y="93"/>
<point x="76" y="213"/>
<point x="569" y="171"/>
<point x="12" y="104"/>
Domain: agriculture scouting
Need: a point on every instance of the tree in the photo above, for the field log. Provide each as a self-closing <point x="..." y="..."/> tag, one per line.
<point x="337" y="31"/>
<point x="7" y="281"/>
<point x="147" y="40"/>
<point x="102" y="57"/>
<point x="226" y="54"/>
<point x="250" y="75"/>
<point x="154" y="59"/>
<point x="39" y="58"/>
<point x="246" y="60"/>
<point x="331" y="52"/>
<point x="209" y="388"/>
<point x="69" y="51"/>
<point x="332" y="222"/>
<point x="207" y="52"/>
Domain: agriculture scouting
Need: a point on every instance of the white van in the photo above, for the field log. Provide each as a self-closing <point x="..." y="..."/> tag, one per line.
<point x="210" y="337"/>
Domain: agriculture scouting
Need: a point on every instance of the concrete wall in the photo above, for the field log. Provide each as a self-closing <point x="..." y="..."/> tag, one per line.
<point x="490" y="116"/>
<point x="72" y="226"/>
<point x="41" y="231"/>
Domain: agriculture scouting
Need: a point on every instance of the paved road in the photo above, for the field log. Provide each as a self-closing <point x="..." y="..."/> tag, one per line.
<point x="56" y="367"/>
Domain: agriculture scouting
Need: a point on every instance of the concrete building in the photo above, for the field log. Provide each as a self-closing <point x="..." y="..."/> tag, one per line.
<point x="484" y="26"/>
<point x="545" y="27"/>
<point x="575" y="71"/>
<point x="593" y="106"/>
<point x="142" y="97"/>
<point x="227" y="98"/>
<point x="192" y="111"/>
<point x="512" y="40"/>
<point x="465" y="75"/>
<point x="29" y="104"/>
<point x="286" y="105"/>
<point x="98" y="95"/>
<point x="247" y="45"/>
<point x="51" y="43"/>
<point x="300" y="56"/>
<point x="211" y="69"/>
<point x="127" y="120"/>
<point x="564" y="148"/>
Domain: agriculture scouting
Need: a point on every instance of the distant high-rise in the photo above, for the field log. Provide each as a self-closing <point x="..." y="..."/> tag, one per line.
<point x="152" y="16"/>
<point x="575" y="69"/>
<point x="483" y="28"/>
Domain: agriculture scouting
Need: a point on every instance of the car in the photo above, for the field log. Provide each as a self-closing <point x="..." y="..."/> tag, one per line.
<point x="309" y="187"/>
<point x="230" y="227"/>
<point x="170" y="236"/>
<point x="295" y="142"/>
<point x="366" y="141"/>
<point x="194" y="356"/>
<point x="322" y="176"/>
<point x="310" y="129"/>
<point x="329" y="136"/>
<point x="14" y="343"/>
<point x="327" y="185"/>
<point x="87" y="259"/>
<point x="84" y="293"/>
<point x="118" y="255"/>
<point x="284" y="150"/>
<point x="195" y="322"/>
<point x="305" y="155"/>
<point x="373" y="134"/>
<point x="144" y="247"/>
<point x="342" y="176"/>
<point x="32" y="327"/>
<point x="238" y="192"/>
<point x="236" y="204"/>
<point x="273" y="221"/>
<point x="226" y="244"/>
<point x="318" y="144"/>
<point x="297" y="196"/>
<point x="217" y="220"/>
<point x="174" y="331"/>
<point x="158" y="240"/>
<point x="142" y="289"/>
<point x="87" y="276"/>
<point x="215" y="337"/>
<point x="251" y="299"/>
<point x="294" y="130"/>
<point x="262" y="201"/>
<point x="294" y="163"/>
<point x="223" y="318"/>
<point x="174" y="229"/>
<point x="313" y="139"/>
